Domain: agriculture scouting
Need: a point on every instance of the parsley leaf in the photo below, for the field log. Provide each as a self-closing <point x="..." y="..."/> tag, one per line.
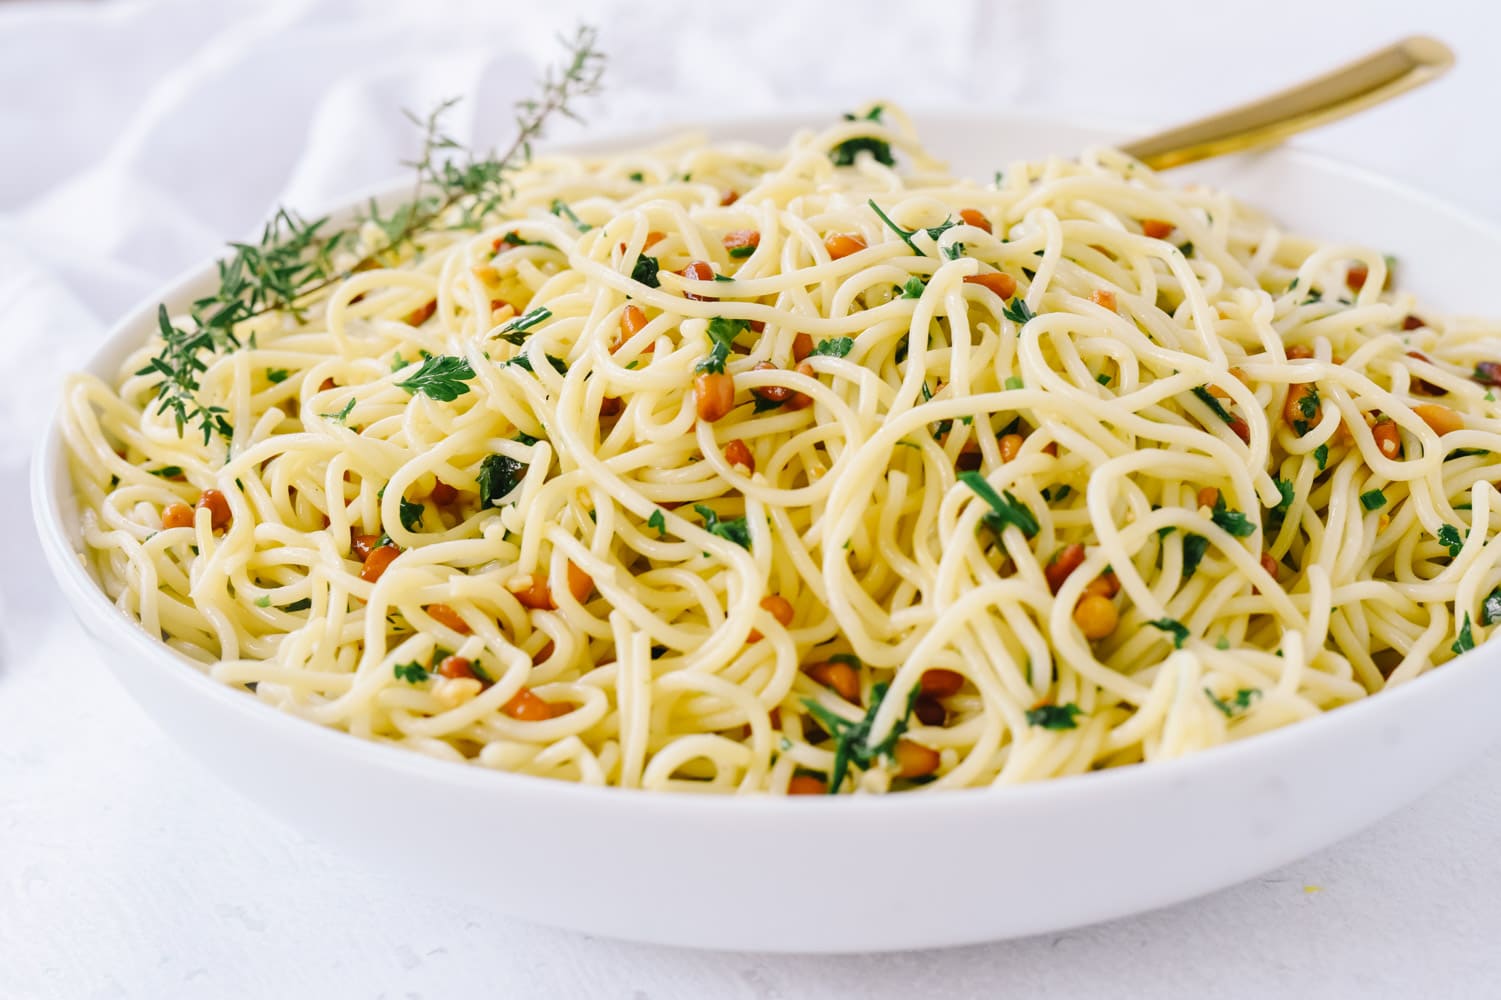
<point x="1490" y="609"/>
<point x="1232" y="707"/>
<point x="277" y="375"/>
<point x="1018" y="311"/>
<point x="1208" y="399"/>
<point x="1321" y="456"/>
<point x="645" y="271"/>
<point x="1308" y="403"/>
<point x="264" y="601"/>
<point x="1231" y="520"/>
<point x="412" y="673"/>
<point x="658" y="522"/>
<point x="411" y="515"/>
<point x="1449" y="535"/>
<point x="299" y="605"/>
<point x="1055" y="717"/>
<point x="342" y="415"/>
<point x="844" y="153"/>
<point x="835" y="347"/>
<point x="1004" y="510"/>
<point x="1373" y="500"/>
<point x="913" y="288"/>
<point x="722" y="333"/>
<point x="1178" y="630"/>
<point x="514" y="331"/>
<point x="852" y="739"/>
<point x="167" y="471"/>
<point x="441" y="377"/>
<point x="561" y="209"/>
<point x="907" y="234"/>
<point x="1465" y="640"/>
<point x="498" y="476"/>
<point x="736" y="530"/>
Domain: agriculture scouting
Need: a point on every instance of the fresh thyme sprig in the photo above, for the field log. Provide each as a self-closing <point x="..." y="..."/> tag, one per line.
<point x="294" y="258"/>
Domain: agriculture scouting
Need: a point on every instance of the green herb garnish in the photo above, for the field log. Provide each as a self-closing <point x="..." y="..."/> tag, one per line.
<point x="1321" y="456"/>
<point x="722" y="333"/>
<point x="658" y="522"/>
<point x="1234" y="706"/>
<point x="1004" y="509"/>
<point x="1017" y="311"/>
<point x="844" y="154"/>
<point x="834" y="347"/>
<point x="852" y="739"/>
<point x="1177" y="629"/>
<point x="913" y="288"/>
<point x="1373" y="500"/>
<point x="1449" y="536"/>
<point x="498" y="476"/>
<point x="1208" y="399"/>
<point x="515" y="331"/>
<point x="645" y="271"/>
<point x="735" y="530"/>
<point x="1055" y="717"/>
<point x="412" y="673"/>
<point x="1465" y="641"/>
<point x="440" y="377"/>
<point x="561" y="209"/>
<point x="411" y="515"/>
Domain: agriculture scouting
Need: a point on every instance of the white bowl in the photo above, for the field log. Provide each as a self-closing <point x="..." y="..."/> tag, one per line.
<point x="849" y="874"/>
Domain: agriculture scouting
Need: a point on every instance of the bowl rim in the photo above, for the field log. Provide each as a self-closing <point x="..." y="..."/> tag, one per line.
<point x="49" y="480"/>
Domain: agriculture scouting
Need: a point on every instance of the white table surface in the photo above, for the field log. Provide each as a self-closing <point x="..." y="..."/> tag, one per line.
<point x="136" y="137"/>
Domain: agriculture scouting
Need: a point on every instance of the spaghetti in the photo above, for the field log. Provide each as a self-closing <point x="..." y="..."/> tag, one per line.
<point x="720" y="468"/>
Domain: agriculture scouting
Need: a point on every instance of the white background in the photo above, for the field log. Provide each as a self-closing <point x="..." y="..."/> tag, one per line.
<point x="135" y="137"/>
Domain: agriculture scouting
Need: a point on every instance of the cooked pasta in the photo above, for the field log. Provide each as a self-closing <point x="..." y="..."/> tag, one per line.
<point x="711" y="467"/>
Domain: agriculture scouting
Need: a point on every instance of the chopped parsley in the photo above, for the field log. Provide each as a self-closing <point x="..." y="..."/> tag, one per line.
<point x="852" y="739"/>
<point x="515" y="331"/>
<point x="1208" y="399"/>
<point x="1465" y="641"/>
<point x="953" y="251"/>
<point x="560" y="208"/>
<point x="636" y="176"/>
<point x="658" y="522"/>
<point x="1177" y="629"/>
<point x="411" y="515"/>
<point x="1004" y="509"/>
<point x="277" y="375"/>
<point x="1373" y="500"/>
<point x="343" y="414"/>
<point x="264" y="601"/>
<point x="722" y="333"/>
<point x="1102" y="378"/>
<point x="1194" y="547"/>
<point x="440" y="377"/>
<point x="167" y="471"/>
<point x="1015" y="382"/>
<point x="735" y="530"/>
<point x="913" y="288"/>
<point x="1231" y="520"/>
<point x="907" y="234"/>
<point x="741" y="251"/>
<point x="1055" y="717"/>
<point x="1017" y="311"/>
<point x="1231" y="707"/>
<point x="834" y="347"/>
<point x="1449" y="536"/>
<point x="844" y="153"/>
<point x="299" y="605"/>
<point x="645" y="271"/>
<point x="498" y="476"/>
<point x="1321" y="456"/>
<point x="1490" y="608"/>
<point x="412" y="673"/>
<point x="525" y="363"/>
